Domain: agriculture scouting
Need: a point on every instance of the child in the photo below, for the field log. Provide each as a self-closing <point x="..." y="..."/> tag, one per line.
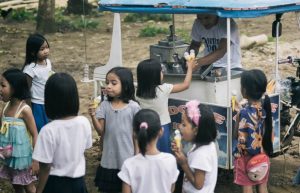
<point x="254" y="129"/>
<point x="113" y="122"/>
<point x="18" y="132"/>
<point x="38" y="68"/>
<point x="62" y="142"/>
<point x="201" y="165"/>
<point x="140" y="173"/>
<point x="152" y="94"/>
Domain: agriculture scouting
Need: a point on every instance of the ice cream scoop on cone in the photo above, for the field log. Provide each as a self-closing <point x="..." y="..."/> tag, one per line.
<point x="95" y="102"/>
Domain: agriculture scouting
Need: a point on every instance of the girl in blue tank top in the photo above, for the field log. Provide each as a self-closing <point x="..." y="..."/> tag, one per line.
<point x="18" y="133"/>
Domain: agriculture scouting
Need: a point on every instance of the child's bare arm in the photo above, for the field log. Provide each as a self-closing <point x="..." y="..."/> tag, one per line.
<point x="43" y="176"/>
<point x="28" y="118"/>
<point x="126" y="188"/>
<point x="99" y="124"/>
<point x="188" y="78"/>
<point x="135" y="145"/>
<point x="173" y="187"/>
<point x="196" y="178"/>
<point x="29" y="82"/>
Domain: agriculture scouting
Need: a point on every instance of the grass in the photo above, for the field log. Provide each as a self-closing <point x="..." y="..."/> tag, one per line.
<point x="63" y="22"/>
<point x="152" y="31"/>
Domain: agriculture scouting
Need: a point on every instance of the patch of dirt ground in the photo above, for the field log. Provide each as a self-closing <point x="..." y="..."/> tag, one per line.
<point x="68" y="55"/>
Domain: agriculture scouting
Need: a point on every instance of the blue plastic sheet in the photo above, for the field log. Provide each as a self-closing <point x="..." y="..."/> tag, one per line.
<point x="225" y="8"/>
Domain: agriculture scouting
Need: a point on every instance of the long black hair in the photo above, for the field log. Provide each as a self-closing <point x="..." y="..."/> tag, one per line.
<point x="18" y="83"/>
<point x="146" y="126"/>
<point x="207" y="130"/>
<point x="254" y="84"/>
<point x="61" y="96"/>
<point x="148" y="78"/>
<point x="33" y="45"/>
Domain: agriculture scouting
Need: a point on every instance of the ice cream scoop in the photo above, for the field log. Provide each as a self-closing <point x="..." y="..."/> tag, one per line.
<point x="96" y="101"/>
<point x="177" y="138"/>
<point x="189" y="55"/>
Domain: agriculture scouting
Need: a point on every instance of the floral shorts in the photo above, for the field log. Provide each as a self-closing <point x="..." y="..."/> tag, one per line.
<point x="18" y="177"/>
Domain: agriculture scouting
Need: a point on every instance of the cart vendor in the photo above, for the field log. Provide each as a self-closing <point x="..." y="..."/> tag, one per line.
<point x="212" y="31"/>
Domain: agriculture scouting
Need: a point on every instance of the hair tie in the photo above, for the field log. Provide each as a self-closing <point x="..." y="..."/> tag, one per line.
<point x="193" y="111"/>
<point x="144" y="125"/>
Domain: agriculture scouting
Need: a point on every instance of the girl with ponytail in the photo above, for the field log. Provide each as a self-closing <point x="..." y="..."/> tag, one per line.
<point x="150" y="170"/>
<point x="254" y="130"/>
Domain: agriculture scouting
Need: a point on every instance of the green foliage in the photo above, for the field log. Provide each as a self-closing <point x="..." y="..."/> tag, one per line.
<point x="63" y="22"/>
<point x="271" y="39"/>
<point x="23" y="15"/>
<point x="73" y="22"/>
<point x="184" y="34"/>
<point x="152" y="31"/>
<point x="142" y="17"/>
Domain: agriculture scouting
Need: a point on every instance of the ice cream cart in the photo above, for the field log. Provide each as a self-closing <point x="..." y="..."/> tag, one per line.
<point x="215" y="91"/>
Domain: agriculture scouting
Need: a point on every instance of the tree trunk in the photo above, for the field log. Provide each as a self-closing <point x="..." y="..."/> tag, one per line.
<point x="76" y="7"/>
<point x="45" y="16"/>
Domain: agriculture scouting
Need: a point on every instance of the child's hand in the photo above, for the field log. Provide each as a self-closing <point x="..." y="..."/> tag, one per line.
<point x="191" y="64"/>
<point x="92" y="109"/>
<point x="180" y="157"/>
<point x="35" y="167"/>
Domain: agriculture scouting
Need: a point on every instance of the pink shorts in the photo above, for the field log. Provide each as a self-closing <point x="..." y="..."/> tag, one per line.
<point x="240" y="174"/>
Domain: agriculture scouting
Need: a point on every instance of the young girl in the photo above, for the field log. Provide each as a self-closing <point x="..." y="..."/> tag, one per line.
<point x="62" y="142"/>
<point x="18" y="132"/>
<point x="201" y="165"/>
<point x="113" y="122"/>
<point x="38" y="68"/>
<point x="254" y="129"/>
<point x="140" y="173"/>
<point x="152" y="94"/>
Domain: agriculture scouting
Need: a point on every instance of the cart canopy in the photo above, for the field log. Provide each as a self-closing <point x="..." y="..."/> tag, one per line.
<point x="225" y="8"/>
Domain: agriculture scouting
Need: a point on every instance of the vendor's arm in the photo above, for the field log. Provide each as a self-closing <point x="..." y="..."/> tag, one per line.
<point x="214" y="56"/>
<point x="188" y="78"/>
<point x="195" y="46"/>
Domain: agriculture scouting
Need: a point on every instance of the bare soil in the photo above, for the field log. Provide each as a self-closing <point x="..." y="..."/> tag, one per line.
<point x="68" y="55"/>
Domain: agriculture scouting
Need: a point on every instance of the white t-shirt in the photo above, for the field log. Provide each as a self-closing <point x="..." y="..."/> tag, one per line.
<point x="203" y="158"/>
<point x="212" y="37"/>
<point x="152" y="173"/>
<point x="62" y="143"/>
<point x="39" y="75"/>
<point x="160" y="103"/>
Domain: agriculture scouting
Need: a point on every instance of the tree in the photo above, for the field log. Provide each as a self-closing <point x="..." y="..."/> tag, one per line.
<point x="76" y="6"/>
<point x="45" y="16"/>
